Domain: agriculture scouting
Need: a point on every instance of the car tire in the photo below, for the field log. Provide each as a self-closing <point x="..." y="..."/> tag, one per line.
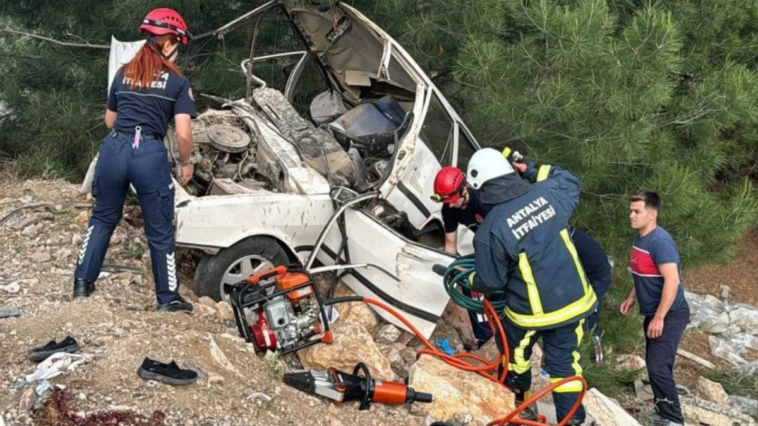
<point x="234" y="264"/>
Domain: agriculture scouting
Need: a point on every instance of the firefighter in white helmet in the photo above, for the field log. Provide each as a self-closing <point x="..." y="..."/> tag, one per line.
<point x="524" y="248"/>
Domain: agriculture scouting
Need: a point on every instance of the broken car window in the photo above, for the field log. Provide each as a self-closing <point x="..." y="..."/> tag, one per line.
<point x="437" y="131"/>
<point x="465" y="149"/>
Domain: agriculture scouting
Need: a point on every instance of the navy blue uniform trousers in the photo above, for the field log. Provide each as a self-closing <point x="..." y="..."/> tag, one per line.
<point x="146" y="168"/>
<point x="660" y="354"/>
<point x="561" y="359"/>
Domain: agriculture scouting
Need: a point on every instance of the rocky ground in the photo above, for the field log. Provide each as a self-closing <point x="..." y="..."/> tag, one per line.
<point x="41" y="225"/>
<point x="118" y="327"/>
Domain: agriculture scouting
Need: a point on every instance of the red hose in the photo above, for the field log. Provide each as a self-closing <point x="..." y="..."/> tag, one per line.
<point x="486" y="370"/>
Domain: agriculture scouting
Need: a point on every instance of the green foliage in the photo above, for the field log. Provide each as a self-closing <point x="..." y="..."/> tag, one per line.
<point x="627" y="94"/>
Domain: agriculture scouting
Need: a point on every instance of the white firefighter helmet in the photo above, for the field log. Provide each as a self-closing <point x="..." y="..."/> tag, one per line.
<point x="486" y="164"/>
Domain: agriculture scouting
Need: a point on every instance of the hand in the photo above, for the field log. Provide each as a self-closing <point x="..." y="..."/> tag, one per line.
<point x="186" y="173"/>
<point x="626" y="306"/>
<point x="655" y="328"/>
<point x="521" y="167"/>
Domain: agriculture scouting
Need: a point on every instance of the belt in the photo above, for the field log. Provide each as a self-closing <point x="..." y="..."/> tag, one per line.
<point x="145" y="136"/>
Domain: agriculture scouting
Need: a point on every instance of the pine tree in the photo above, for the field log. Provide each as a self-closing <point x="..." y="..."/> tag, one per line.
<point x="627" y="94"/>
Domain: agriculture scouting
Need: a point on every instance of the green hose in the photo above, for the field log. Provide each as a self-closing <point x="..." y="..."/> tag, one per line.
<point x="457" y="274"/>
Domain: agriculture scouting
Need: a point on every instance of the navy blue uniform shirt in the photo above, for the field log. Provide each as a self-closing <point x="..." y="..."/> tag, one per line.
<point x="654" y="249"/>
<point x="593" y="258"/>
<point x="152" y="108"/>
<point x="470" y="216"/>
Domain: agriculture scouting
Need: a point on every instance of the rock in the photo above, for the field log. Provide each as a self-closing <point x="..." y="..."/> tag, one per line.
<point x="82" y="218"/>
<point x="712" y="391"/>
<point x="219" y="356"/>
<point x="355" y="312"/>
<point x="394" y="356"/>
<point x="62" y="254"/>
<point x="724" y="292"/>
<point x="488" y="351"/>
<point x="224" y="312"/>
<point x="629" y="363"/>
<point x="606" y="411"/>
<point x="458" y="318"/>
<point x="408" y="355"/>
<point x="445" y="330"/>
<point x="352" y="344"/>
<point x="207" y="301"/>
<point x="12" y="288"/>
<point x="205" y="310"/>
<point x="462" y="419"/>
<point x="746" y="319"/>
<point x="747" y="406"/>
<point x="457" y="391"/>
<point x="27" y="400"/>
<point x="699" y="411"/>
<point x="115" y="240"/>
<point x="41" y="257"/>
<point x="387" y="334"/>
<point x="8" y="312"/>
<point x="137" y="279"/>
<point x="214" y="379"/>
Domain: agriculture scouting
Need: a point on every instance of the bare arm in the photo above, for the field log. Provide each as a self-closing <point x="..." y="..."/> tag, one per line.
<point x="626" y="305"/>
<point x="670" y="286"/>
<point x="451" y="242"/>
<point x="184" y="135"/>
<point x="183" y="124"/>
<point x="110" y="118"/>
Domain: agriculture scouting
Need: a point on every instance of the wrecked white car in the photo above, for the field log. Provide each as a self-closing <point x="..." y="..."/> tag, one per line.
<point x="347" y="168"/>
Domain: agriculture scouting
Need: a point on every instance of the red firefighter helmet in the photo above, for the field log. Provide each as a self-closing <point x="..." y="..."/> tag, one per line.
<point x="448" y="185"/>
<point x="163" y="21"/>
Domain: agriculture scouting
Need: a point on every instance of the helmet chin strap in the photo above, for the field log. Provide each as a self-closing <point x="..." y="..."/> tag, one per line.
<point x="159" y="51"/>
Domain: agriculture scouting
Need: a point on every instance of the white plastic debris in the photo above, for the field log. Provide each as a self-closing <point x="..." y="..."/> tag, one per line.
<point x="56" y="365"/>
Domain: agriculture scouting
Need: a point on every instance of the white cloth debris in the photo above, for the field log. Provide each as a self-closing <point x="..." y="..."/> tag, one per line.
<point x="56" y="365"/>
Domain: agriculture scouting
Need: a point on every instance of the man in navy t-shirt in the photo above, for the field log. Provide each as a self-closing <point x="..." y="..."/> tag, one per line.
<point x="655" y="265"/>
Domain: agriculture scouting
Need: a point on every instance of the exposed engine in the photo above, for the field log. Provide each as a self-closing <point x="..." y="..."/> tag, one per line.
<point x="283" y="314"/>
<point x="222" y="149"/>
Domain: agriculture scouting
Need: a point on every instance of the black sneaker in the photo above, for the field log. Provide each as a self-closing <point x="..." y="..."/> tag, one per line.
<point x="178" y="305"/>
<point x="169" y="374"/>
<point x="83" y="288"/>
<point x="68" y="345"/>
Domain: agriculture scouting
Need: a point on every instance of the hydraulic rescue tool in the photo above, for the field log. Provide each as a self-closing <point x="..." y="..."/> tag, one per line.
<point x="279" y="309"/>
<point x="341" y="387"/>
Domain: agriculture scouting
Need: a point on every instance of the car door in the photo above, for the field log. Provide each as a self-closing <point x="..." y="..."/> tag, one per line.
<point x="404" y="278"/>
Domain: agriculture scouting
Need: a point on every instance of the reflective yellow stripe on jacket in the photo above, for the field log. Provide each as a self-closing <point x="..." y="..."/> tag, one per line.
<point x="554" y="318"/>
<point x="540" y="319"/>
<point x="543" y="173"/>
<point x="531" y="287"/>
<point x="575" y="256"/>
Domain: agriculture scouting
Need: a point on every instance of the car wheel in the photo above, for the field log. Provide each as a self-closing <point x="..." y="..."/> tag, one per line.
<point x="235" y="264"/>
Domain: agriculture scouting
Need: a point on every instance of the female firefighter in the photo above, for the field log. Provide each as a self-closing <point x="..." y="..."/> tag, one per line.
<point x="146" y="94"/>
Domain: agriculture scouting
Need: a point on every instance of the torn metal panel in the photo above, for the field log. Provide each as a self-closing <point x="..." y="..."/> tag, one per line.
<point x="419" y="294"/>
<point x="318" y="147"/>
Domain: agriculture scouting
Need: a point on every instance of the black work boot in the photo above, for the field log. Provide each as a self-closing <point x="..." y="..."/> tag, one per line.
<point x="178" y="305"/>
<point x="83" y="288"/>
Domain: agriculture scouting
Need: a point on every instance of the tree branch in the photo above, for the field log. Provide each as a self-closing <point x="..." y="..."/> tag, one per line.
<point x="62" y="43"/>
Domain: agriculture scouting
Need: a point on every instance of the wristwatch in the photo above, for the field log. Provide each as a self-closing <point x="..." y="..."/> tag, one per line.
<point x="185" y="163"/>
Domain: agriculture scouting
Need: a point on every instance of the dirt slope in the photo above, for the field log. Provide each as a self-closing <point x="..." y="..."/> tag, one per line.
<point x="119" y="327"/>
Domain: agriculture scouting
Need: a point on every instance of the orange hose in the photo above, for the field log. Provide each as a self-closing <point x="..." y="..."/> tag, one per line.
<point x="486" y="370"/>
